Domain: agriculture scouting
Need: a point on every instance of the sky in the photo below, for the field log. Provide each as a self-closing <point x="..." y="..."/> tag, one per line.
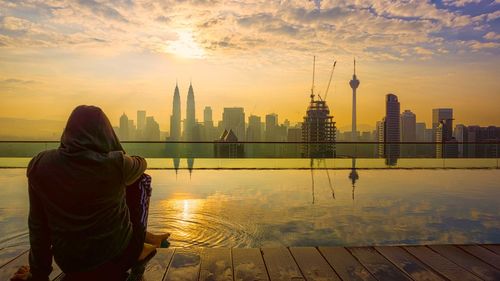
<point x="126" y="55"/>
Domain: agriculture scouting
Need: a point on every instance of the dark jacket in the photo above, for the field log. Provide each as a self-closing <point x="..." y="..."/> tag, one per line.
<point x="78" y="211"/>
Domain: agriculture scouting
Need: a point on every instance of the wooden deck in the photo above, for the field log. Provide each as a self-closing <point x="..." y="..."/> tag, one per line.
<point x="434" y="262"/>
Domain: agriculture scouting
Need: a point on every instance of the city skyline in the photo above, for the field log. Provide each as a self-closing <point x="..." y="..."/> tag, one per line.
<point x="252" y="55"/>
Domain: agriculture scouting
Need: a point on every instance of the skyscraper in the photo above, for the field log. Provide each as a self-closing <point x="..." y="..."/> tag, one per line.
<point x="408" y="126"/>
<point x="141" y="123"/>
<point x="271" y="127"/>
<point x="254" y="128"/>
<point x="152" y="129"/>
<point x="438" y="115"/>
<point x="318" y="127"/>
<point x="190" y="122"/>
<point x="141" y="119"/>
<point x="207" y="116"/>
<point x="354" y="83"/>
<point x="175" y="118"/>
<point x="392" y="135"/>
<point x="124" y="126"/>
<point x="420" y="128"/>
<point x="209" y="132"/>
<point x="233" y="118"/>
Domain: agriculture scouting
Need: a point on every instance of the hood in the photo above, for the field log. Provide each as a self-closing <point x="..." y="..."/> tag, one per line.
<point x="88" y="128"/>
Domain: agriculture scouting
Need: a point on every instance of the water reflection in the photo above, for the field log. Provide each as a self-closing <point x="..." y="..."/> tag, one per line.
<point x="353" y="176"/>
<point x="253" y="208"/>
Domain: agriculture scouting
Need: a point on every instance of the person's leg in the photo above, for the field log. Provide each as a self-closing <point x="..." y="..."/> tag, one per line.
<point x="138" y="196"/>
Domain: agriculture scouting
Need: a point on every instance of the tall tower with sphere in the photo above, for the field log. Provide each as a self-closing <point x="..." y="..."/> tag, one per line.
<point x="354" y="83"/>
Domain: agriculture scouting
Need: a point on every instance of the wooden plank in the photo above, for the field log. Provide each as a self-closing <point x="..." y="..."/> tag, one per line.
<point x="248" y="265"/>
<point x="483" y="254"/>
<point x="8" y="254"/>
<point x="185" y="265"/>
<point x="312" y="265"/>
<point x="408" y="263"/>
<point x="440" y="264"/>
<point x="467" y="261"/>
<point x="216" y="264"/>
<point x="494" y="248"/>
<point x="346" y="266"/>
<point x="157" y="266"/>
<point x="8" y="269"/>
<point x="56" y="271"/>
<point x="280" y="264"/>
<point x="381" y="268"/>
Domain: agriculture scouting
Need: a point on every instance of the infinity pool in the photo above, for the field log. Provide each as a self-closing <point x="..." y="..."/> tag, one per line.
<point x="254" y="208"/>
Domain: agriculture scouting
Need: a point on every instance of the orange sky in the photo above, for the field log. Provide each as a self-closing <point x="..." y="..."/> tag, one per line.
<point x="128" y="56"/>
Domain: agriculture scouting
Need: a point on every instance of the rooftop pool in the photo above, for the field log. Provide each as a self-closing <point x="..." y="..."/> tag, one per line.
<point x="256" y="208"/>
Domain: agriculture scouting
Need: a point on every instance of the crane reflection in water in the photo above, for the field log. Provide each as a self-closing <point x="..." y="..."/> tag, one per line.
<point x="353" y="176"/>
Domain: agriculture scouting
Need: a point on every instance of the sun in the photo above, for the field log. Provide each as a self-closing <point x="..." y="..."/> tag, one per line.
<point x="185" y="46"/>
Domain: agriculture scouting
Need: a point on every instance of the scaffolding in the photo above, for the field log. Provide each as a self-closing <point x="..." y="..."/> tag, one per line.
<point x="318" y="131"/>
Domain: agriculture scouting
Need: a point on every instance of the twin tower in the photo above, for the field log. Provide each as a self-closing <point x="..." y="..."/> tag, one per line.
<point x="175" y="118"/>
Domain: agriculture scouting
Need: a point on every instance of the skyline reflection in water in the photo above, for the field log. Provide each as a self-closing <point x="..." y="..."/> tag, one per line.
<point x="254" y="208"/>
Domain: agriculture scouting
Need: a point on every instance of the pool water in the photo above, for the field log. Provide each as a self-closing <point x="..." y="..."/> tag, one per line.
<point x="256" y="208"/>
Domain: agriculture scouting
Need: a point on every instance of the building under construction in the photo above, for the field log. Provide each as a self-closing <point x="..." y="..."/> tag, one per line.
<point x="318" y="128"/>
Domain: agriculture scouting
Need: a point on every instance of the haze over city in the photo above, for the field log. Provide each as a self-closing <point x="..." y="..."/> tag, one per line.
<point x="124" y="56"/>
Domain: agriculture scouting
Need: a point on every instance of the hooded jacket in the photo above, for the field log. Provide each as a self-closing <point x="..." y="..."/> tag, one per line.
<point x="78" y="210"/>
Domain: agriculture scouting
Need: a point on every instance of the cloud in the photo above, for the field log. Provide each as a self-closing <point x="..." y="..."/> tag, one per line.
<point x="15" y="24"/>
<point x="460" y="3"/>
<point x="14" y="81"/>
<point x="389" y="30"/>
<point x="492" y="36"/>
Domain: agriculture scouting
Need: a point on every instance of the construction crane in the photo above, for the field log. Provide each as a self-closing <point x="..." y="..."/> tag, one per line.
<point x="329" y="81"/>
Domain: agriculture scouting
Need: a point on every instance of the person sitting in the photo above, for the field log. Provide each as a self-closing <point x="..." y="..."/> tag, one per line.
<point x="89" y="204"/>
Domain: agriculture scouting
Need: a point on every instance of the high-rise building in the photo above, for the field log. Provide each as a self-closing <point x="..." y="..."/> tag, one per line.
<point x="460" y="134"/>
<point x="190" y="122"/>
<point x="254" y="128"/>
<point x="420" y="128"/>
<point x="392" y="129"/>
<point x="354" y="83"/>
<point x="271" y="133"/>
<point x="477" y="142"/>
<point x="141" y="119"/>
<point x="446" y="144"/>
<point x="380" y="136"/>
<point x="438" y="115"/>
<point x="131" y="130"/>
<point x="294" y="134"/>
<point x="152" y="129"/>
<point x="209" y="132"/>
<point x="233" y="118"/>
<point x="175" y="118"/>
<point x="392" y="124"/>
<point x="207" y="116"/>
<point x="124" y="126"/>
<point x="408" y="126"/>
<point x="141" y="124"/>
<point x="318" y="127"/>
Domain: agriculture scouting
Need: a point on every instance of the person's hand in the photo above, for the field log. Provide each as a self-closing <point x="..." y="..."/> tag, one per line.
<point x="23" y="273"/>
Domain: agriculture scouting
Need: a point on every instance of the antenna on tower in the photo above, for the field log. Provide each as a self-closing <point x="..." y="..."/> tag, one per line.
<point x="354" y="66"/>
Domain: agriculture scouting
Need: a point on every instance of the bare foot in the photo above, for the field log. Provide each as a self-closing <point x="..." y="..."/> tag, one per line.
<point x="147" y="249"/>
<point x="23" y="273"/>
<point x="155" y="239"/>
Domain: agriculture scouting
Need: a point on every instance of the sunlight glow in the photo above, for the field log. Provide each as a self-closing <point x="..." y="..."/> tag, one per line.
<point x="185" y="46"/>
